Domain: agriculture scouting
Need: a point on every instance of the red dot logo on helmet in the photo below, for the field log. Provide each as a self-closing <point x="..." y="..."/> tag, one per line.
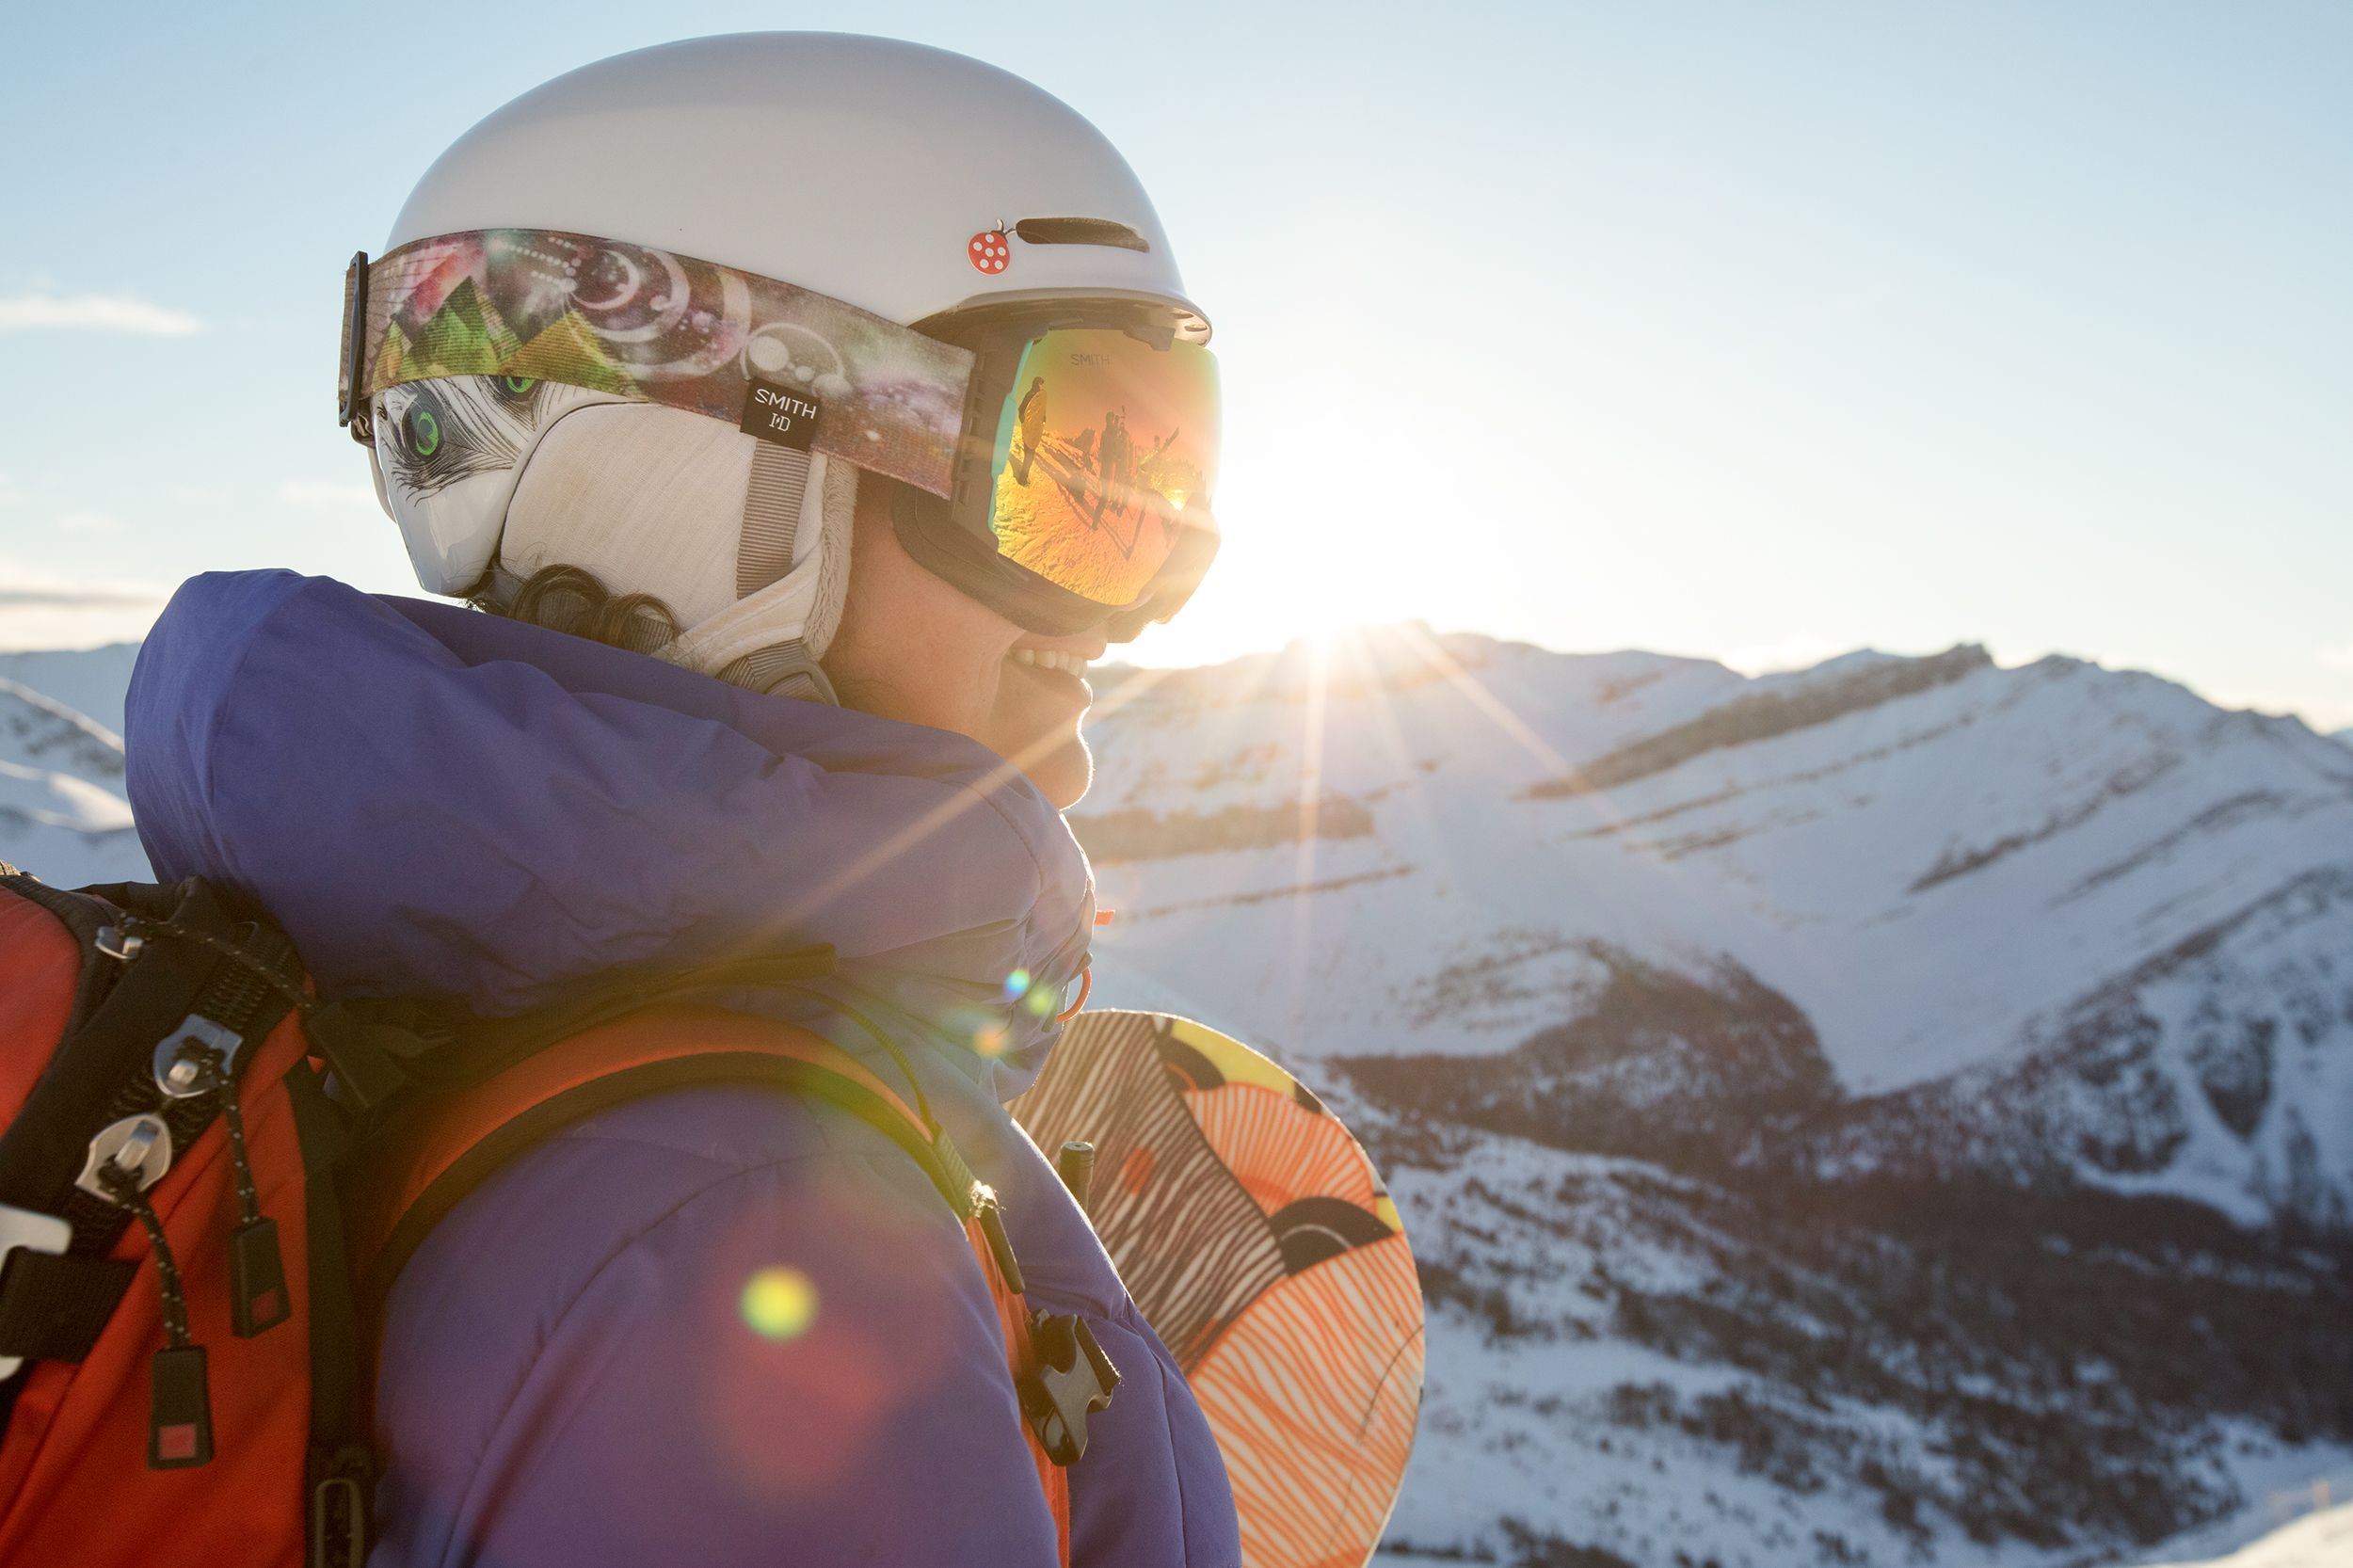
<point x="988" y="251"/>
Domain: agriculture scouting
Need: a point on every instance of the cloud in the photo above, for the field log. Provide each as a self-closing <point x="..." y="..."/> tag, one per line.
<point x="2339" y="658"/>
<point x="326" y="492"/>
<point x="95" y="597"/>
<point x="94" y="312"/>
<point x="41" y="609"/>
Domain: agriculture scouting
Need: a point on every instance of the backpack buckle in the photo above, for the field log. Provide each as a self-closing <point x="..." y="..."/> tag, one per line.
<point x="118" y="944"/>
<point x="339" y="1509"/>
<point x="1074" y="1378"/>
<point x="30" y="1231"/>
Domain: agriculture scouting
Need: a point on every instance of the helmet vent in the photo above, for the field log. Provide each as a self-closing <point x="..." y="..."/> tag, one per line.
<point x="1079" y="231"/>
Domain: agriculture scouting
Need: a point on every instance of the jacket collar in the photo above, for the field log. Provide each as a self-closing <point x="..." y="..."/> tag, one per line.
<point x="435" y="801"/>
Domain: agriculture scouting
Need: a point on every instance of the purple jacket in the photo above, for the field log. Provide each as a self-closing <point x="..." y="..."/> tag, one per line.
<point x="717" y="1325"/>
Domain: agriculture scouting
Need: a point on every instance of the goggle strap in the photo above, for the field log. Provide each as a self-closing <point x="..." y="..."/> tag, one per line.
<point x="654" y="325"/>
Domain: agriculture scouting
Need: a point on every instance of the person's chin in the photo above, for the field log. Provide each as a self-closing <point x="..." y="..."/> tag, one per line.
<point x="1062" y="774"/>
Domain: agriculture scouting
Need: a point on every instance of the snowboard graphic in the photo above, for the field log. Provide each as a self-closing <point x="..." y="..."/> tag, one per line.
<point x="1263" y="1248"/>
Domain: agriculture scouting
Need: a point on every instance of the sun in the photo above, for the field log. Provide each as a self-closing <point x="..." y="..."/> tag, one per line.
<point x="1267" y="592"/>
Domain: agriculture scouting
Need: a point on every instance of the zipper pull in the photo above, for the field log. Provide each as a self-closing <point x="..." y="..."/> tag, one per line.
<point x="257" y="1271"/>
<point x="257" y="1278"/>
<point x="125" y="1161"/>
<point x="180" y="1414"/>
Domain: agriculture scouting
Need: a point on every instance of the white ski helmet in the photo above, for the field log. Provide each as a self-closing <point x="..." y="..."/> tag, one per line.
<point x="900" y="179"/>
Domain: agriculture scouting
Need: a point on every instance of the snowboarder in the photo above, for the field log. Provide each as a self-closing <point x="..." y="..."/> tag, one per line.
<point x="741" y="692"/>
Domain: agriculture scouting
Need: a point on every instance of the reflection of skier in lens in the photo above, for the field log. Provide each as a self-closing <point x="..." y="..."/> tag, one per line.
<point x="1071" y="478"/>
<point x="1148" y="486"/>
<point x="1031" y="418"/>
<point x="1111" y="459"/>
<point x="1152" y="456"/>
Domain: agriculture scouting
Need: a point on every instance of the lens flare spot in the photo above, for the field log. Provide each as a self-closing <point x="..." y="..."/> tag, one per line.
<point x="1041" y="1003"/>
<point x="1016" y="984"/>
<point x="991" y="1040"/>
<point x="780" y="1303"/>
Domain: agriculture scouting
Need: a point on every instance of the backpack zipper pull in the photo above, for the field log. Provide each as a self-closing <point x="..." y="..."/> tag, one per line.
<point x="257" y="1271"/>
<point x="257" y="1278"/>
<point x="180" y="1410"/>
<point x="180" y="1413"/>
<point x="201" y="1062"/>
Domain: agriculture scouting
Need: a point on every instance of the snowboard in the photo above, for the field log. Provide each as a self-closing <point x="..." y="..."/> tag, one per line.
<point x="1260" y="1241"/>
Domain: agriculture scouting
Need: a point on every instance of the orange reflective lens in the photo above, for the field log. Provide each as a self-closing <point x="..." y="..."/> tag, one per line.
<point x="1106" y="447"/>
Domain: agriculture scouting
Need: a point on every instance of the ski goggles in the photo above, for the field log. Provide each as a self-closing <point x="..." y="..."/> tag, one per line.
<point x="1053" y="459"/>
<point x="1082" y="494"/>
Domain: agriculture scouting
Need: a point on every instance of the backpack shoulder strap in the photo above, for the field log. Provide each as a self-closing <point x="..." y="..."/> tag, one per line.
<point x="447" y="1146"/>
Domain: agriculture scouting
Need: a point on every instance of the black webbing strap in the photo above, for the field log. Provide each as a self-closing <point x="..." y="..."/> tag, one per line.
<point x="340" y="1479"/>
<point x="53" y="1307"/>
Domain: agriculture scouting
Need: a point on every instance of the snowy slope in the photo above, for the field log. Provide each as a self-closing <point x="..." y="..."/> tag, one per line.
<point x="91" y="682"/>
<point x="2319" y="1540"/>
<point x="2085" y="888"/>
<point x="1830" y="1108"/>
<point x="62" y="815"/>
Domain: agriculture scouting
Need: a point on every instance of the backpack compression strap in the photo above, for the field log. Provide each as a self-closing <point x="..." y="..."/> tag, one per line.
<point x="450" y="1144"/>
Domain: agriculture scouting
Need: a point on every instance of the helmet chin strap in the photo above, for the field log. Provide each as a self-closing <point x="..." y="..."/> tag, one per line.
<point x="640" y="498"/>
<point x="774" y="494"/>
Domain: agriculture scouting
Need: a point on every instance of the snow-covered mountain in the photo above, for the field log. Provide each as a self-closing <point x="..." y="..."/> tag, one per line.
<point x="1899" y="1110"/>
<point x="62" y="815"/>
<point x="90" y="680"/>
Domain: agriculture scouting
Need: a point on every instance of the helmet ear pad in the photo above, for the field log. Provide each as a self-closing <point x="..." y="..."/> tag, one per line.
<point x="491" y="484"/>
<point x="448" y="454"/>
<point x="659" y="500"/>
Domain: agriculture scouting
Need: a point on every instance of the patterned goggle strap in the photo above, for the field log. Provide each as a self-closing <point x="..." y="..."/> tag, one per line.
<point x="783" y="363"/>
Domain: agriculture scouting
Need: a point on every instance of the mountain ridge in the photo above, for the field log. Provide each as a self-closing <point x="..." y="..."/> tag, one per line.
<point x="1797" y="1087"/>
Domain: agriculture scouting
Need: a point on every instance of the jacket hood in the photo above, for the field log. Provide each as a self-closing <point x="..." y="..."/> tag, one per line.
<point x="436" y="802"/>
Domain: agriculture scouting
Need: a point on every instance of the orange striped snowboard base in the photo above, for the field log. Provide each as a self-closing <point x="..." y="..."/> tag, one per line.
<point x="1263" y="1248"/>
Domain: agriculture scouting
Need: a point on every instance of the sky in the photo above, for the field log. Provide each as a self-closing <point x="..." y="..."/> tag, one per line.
<point x="1754" y="332"/>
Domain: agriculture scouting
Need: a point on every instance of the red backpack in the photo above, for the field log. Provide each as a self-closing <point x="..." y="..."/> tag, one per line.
<point x="196" y="1238"/>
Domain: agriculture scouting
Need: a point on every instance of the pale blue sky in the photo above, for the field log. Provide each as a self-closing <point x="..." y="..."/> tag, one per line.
<point x="1757" y="332"/>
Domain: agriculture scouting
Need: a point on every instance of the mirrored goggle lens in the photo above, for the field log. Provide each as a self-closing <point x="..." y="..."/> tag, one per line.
<point x="1106" y="451"/>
